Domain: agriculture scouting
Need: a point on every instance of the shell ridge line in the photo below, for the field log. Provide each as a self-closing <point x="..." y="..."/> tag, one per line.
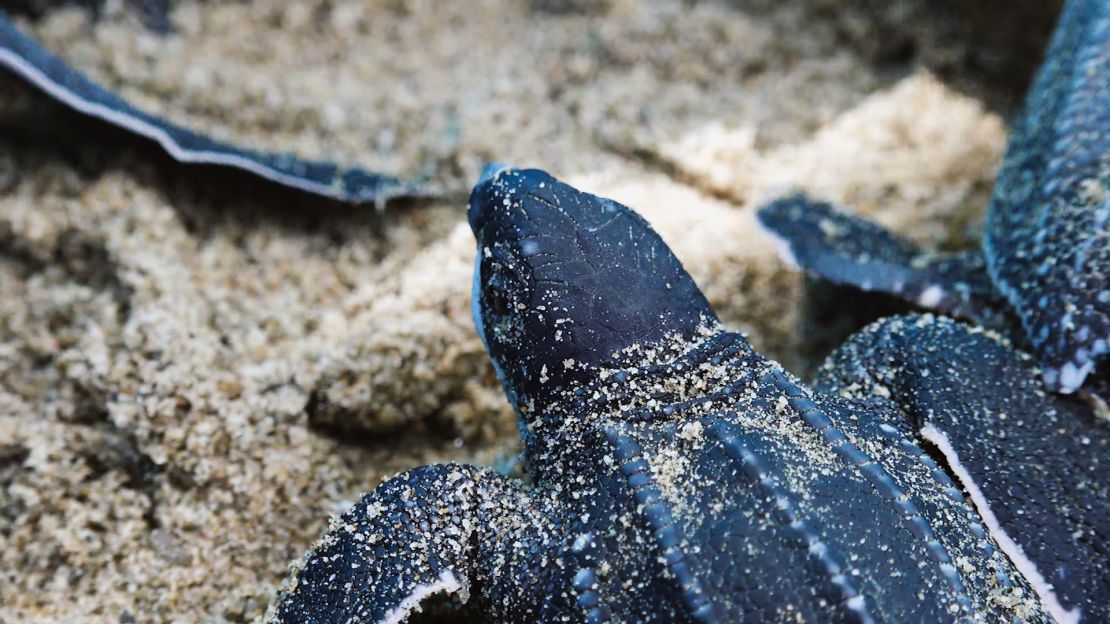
<point x="879" y="478"/>
<point x="586" y="587"/>
<point x="637" y="473"/>
<point x="831" y="561"/>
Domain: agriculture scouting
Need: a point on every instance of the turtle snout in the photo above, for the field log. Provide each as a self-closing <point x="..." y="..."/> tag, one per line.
<point x="491" y="171"/>
<point x="482" y="196"/>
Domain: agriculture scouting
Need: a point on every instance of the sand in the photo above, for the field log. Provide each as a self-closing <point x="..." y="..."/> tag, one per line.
<point x="192" y="380"/>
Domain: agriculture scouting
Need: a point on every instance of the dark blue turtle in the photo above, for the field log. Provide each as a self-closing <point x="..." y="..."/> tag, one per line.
<point x="1043" y="273"/>
<point x="676" y="475"/>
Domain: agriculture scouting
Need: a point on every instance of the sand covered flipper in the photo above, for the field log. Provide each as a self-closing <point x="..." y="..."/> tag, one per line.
<point x="1032" y="462"/>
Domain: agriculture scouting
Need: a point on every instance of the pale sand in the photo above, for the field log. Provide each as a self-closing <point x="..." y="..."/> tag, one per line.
<point x="173" y="364"/>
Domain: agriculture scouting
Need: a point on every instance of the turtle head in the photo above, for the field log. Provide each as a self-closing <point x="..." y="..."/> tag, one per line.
<point x="565" y="280"/>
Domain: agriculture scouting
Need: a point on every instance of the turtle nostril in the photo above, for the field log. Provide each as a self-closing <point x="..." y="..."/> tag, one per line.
<point x="482" y="195"/>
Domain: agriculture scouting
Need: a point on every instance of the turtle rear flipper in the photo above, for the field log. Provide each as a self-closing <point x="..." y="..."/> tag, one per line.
<point x="1033" y="463"/>
<point x="848" y="250"/>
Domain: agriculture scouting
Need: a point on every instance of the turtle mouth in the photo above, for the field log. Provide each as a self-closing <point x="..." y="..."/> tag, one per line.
<point x="477" y="213"/>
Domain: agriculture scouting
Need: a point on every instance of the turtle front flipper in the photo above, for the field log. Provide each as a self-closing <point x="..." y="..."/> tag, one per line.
<point x="436" y="531"/>
<point x="27" y="59"/>
<point x="1047" y="233"/>
<point x="1033" y="463"/>
<point x="848" y="250"/>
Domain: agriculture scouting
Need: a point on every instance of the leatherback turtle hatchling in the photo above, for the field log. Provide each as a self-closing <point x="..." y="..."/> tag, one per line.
<point x="1045" y="256"/>
<point x="676" y="475"/>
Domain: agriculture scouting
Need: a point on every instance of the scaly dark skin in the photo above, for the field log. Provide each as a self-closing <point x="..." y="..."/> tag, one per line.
<point x="1043" y="273"/>
<point x="676" y="475"/>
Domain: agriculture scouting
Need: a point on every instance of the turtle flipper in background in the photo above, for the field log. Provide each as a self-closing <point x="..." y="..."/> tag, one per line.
<point x="847" y="250"/>
<point x="1034" y="463"/>
<point x="1047" y="233"/>
<point x="1046" y="241"/>
<point x="23" y="56"/>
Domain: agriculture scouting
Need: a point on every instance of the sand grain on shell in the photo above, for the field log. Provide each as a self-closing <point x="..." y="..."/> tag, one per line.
<point x="173" y="366"/>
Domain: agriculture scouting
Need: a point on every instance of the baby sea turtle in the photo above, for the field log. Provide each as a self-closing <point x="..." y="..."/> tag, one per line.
<point x="1045" y="257"/>
<point x="676" y="475"/>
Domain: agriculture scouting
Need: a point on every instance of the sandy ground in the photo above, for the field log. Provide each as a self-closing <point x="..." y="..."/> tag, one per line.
<point x="193" y="378"/>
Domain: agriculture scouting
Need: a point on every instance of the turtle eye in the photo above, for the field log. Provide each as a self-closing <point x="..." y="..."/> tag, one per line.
<point x="499" y="302"/>
<point x="501" y="291"/>
<point x="502" y="286"/>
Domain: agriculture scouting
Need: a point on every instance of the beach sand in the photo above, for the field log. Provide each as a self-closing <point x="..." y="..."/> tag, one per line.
<point x="194" y="376"/>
